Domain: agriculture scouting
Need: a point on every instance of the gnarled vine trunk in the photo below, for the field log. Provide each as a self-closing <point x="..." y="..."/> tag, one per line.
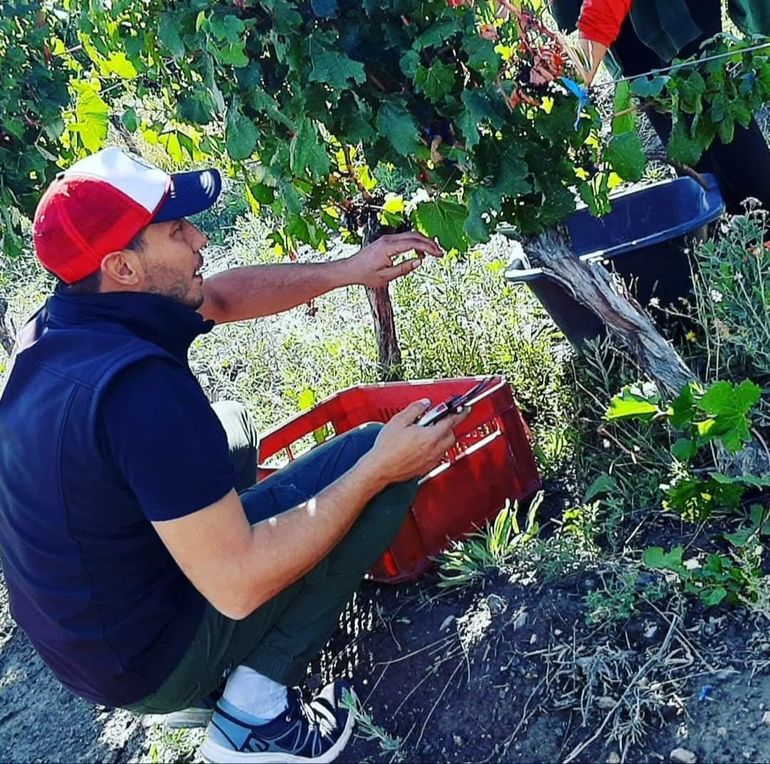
<point x="592" y="286"/>
<point x="6" y="337"/>
<point x="388" y="350"/>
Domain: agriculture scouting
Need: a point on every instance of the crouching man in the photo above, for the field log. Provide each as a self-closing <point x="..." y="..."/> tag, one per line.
<point x="142" y="576"/>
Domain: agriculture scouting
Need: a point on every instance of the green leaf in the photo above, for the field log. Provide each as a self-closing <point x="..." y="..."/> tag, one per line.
<point x="263" y="102"/>
<point x="395" y="122"/>
<point x="725" y="398"/>
<point x="241" y="134"/>
<point x="263" y="192"/>
<point x="719" y="477"/>
<point x="479" y="109"/>
<point x="655" y="557"/>
<point x="231" y="54"/>
<point x="482" y="55"/>
<point x="130" y="120"/>
<point x="196" y="108"/>
<point x="170" y="141"/>
<point x="756" y="481"/>
<point x="435" y="81"/>
<point x="92" y="116"/>
<point x="436" y="34"/>
<point x="691" y="91"/>
<point x="228" y="27"/>
<point x="712" y="597"/>
<point x="118" y="65"/>
<point x="682" y="410"/>
<point x="332" y="67"/>
<point x="697" y="499"/>
<point x="306" y="152"/>
<point x="169" y="33"/>
<point x="632" y="405"/>
<point x="325" y="9"/>
<point x="624" y="120"/>
<point x="684" y="449"/>
<point x="648" y="86"/>
<point x="409" y="63"/>
<point x="603" y="484"/>
<point x="741" y="537"/>
<point x="682" y="147"/>
<point x="729" y="405"/>
<point x="726" y="130"/>
<point x="481" y="201"/>
<point x="443" y="220"/>
<point x="511" y="177"/>
<point x="625" y="155"/>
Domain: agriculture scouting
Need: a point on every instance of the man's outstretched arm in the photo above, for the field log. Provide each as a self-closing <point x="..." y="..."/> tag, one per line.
<point x="262" y="290"/>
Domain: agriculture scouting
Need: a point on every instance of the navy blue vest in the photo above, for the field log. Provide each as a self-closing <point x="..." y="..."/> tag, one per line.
<point x="89" y="581"/>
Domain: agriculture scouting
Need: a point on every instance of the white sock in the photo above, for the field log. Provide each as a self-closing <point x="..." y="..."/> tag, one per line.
<point x="255" y="694"/>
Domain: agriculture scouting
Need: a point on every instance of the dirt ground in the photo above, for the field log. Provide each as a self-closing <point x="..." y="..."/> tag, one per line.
<point x="507" y="672"/>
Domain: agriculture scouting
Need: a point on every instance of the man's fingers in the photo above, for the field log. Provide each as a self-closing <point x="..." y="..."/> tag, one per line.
<point x="448" y="442"/>
<point x="456" y="419"/>
<point x="412" y="412"/>
<point x="395" y="271"/>
<point x="399" y="243"/>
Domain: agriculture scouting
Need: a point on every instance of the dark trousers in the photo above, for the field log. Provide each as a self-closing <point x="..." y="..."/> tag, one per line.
<point x="281" y="637"/>
<point x="743" y="166"/>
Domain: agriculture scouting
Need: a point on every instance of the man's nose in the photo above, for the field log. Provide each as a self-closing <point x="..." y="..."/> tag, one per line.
<point x="198" y="239"/>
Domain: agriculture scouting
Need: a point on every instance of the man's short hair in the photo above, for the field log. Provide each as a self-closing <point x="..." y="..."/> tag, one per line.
<point x="93" y="283"/>
<point x="89" y="285"/>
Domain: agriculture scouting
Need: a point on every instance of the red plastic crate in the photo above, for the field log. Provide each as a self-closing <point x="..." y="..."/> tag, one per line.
<point x="491" y="462"/>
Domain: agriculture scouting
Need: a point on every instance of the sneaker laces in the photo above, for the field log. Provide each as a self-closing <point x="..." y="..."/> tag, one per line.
<point x="319" y="714"/>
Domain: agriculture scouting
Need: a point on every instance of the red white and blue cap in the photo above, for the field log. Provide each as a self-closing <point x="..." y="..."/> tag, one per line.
<point x="102" y="202"/>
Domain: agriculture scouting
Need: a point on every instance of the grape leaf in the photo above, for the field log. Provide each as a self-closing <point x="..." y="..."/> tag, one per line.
<point x="630" y="405"/>
<point x="624" y="119"/>
<point x="170" y="35"/>
<point x="655" y="557"/>
<point x="682" y="147"/>
<point x="240" y="133"/>
<point x="648" y="86"/>
<point x="307" y="152"/>
<point x="332" y="67"/>
<point x="395" y="122"/>
<point x="325" y="9"/>
<point x="626" y="157"/>
<point x="130" y="120"/>
<point x="435" y="81"/>
<point x="444" y="220"/>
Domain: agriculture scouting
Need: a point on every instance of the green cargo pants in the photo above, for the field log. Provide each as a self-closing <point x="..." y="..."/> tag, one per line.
<point x="281" y="637"/>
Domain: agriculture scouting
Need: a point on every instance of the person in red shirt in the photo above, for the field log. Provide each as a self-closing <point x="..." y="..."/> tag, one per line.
<point x="647" y="34"/>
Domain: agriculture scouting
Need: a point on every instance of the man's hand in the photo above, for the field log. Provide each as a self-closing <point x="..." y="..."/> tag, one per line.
<point x="594" y="53"/>
<point x="405" y="450"/>
<point x="373" y="265"/>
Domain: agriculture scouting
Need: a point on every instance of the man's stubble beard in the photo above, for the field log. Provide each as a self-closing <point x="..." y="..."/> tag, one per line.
<point x="182" y="294"/>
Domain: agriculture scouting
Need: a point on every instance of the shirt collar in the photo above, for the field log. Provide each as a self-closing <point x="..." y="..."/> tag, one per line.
<point x="154" y="318"/>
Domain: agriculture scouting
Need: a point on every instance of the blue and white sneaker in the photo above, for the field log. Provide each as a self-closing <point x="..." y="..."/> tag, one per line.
<point x="197" y="715"/>
<point x="304" y="732"/>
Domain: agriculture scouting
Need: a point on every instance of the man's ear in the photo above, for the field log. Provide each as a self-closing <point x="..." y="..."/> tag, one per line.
<point x="122" y="268"/>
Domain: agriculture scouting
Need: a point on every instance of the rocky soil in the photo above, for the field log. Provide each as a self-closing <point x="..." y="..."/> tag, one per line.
<point x="506" y="672"/>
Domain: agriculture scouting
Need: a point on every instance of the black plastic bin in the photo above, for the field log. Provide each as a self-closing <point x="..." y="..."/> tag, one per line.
<point x="643" y="239"/>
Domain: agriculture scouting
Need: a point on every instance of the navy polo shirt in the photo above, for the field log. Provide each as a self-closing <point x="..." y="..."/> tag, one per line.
<point x="103" y="429"/>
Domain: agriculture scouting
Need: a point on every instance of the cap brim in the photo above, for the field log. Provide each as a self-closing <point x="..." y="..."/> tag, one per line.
<point x="191" y="192"/>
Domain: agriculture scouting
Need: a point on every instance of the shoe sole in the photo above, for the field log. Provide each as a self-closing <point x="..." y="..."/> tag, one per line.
<point x="187" y="719"/>
<point x="213" y="753"/>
